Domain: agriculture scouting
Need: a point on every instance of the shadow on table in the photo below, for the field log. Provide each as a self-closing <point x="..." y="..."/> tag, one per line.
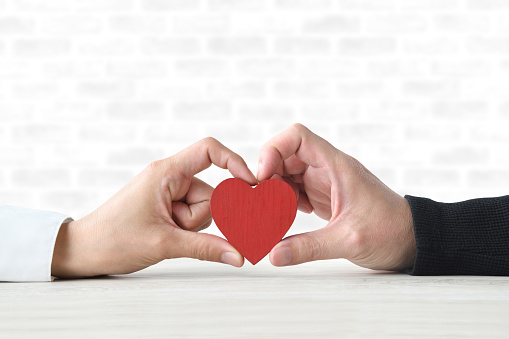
<point x="222" y="273"/>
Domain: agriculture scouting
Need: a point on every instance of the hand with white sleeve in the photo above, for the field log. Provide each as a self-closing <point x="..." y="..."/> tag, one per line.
<point x="156" y="216"/>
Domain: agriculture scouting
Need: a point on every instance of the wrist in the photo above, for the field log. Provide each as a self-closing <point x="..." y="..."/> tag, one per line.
<point x="410" y="247"/>
<point x="61" y="252"/>
<point x="70" y="258"/>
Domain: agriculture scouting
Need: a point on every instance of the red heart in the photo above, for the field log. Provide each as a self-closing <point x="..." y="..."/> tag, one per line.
<point x="255" y="219"/>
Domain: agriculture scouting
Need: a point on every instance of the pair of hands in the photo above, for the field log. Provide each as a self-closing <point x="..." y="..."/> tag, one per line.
<point x="158" y="214"/>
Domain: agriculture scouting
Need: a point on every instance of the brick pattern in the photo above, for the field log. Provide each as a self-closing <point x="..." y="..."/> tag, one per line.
<point x="92" y="91"/>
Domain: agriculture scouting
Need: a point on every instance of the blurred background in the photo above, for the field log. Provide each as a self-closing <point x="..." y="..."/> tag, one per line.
<point x="92" y="91"/>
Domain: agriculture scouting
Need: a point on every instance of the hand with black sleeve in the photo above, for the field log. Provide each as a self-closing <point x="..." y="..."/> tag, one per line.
<point x="374" y="227"/>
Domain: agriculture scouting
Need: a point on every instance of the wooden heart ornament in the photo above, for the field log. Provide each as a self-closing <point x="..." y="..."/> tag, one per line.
<point x="253" y="219"/>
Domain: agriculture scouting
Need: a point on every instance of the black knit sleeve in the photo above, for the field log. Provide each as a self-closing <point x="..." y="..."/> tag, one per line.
<point x="468" y="238"/>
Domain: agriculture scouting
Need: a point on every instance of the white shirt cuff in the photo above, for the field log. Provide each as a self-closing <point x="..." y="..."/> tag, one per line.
<point x="27" y="241"/>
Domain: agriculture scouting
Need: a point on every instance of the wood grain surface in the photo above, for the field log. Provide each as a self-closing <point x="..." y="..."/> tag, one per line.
<point x="253" y="219"/>
<point x="190" y="299"/>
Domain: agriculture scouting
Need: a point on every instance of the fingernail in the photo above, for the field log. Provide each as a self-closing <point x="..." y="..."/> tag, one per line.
<point x="283" y="256"/>
<point x="230" y="258"/>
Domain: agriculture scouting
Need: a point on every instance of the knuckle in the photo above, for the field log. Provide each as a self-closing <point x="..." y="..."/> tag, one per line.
<point x="299" y="127"/>
<point x="210" y="141"/>
<point x="154" y="166"/>
<point x="202" y="251"/>
<point x="310" y="248"/>
<point x="315" y="251"/>
<point x="349" y="166"/>
<point x="354" y="164"/>
<point x="356" y="243"/>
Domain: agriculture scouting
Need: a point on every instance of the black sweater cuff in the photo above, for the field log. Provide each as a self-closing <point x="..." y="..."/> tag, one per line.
<point x="467" y="238"/>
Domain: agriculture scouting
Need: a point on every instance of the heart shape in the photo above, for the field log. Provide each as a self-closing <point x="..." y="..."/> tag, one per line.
<point x="253" y="219"/>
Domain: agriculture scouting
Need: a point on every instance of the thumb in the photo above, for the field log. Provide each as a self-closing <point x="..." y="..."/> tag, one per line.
<point x="310" y="246"/>
<point x="207" y="247"/>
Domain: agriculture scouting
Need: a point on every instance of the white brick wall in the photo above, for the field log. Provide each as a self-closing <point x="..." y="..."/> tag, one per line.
<point x="92" y="91"/>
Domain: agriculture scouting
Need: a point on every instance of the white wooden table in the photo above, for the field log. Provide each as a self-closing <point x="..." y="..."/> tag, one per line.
<point x="188" y="299"/>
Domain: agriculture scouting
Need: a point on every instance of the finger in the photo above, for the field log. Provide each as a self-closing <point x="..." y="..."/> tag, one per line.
<point x="310" y="246"/>
<point x="205" y="152"/>
<point x="203" y="226"/>
<point x="191" y="217"/>
<point x="296" y="140"/>
<point x="278" y="174"/>
<point x="194" y="211"/>
<point x="297" y="178"/>
<point x="303" y="203"/>
<point x="203" y="246"/>
<point x="198" y="191"/>
<point x="294" y="166"/>
<point x="198" y="228"/>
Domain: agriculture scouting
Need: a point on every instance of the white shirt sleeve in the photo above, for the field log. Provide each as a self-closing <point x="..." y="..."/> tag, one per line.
<point x="27" y="240"/>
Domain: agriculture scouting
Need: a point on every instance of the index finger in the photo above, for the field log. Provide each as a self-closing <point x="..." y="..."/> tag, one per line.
<point x="296" y="140"/>
<point x="200" y="155"/>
